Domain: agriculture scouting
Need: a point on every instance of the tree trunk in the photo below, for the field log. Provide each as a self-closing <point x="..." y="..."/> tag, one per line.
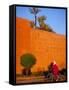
<point x="35" y="20"/>
<point x="26" y="72"/>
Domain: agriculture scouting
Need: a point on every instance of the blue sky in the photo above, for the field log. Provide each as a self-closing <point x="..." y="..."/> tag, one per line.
<point x="56" y="18"/>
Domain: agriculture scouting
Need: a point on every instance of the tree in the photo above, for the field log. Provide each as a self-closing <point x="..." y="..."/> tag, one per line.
<point x="34" y="11"/>
<point x="43" y="25"/>
<point x="41" y="20"/>
<point x="27" y="61"/>
<point x="32" y="24"/>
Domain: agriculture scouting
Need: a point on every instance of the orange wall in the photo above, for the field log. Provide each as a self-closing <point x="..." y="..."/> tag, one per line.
<point x="45" y="46"/>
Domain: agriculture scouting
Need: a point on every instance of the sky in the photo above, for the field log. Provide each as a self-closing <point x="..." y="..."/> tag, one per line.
<point x="56" y="18"/>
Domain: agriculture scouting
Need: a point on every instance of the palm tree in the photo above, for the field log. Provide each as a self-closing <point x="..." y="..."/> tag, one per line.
<point x="27" y="61"/>
<point x="34" y="11"/>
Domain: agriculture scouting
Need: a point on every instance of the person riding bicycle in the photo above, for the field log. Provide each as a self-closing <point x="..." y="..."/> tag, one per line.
<point x="55" y="71"/>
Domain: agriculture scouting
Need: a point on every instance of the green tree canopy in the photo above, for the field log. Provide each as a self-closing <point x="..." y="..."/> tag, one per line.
<point x="28" y="60"/>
